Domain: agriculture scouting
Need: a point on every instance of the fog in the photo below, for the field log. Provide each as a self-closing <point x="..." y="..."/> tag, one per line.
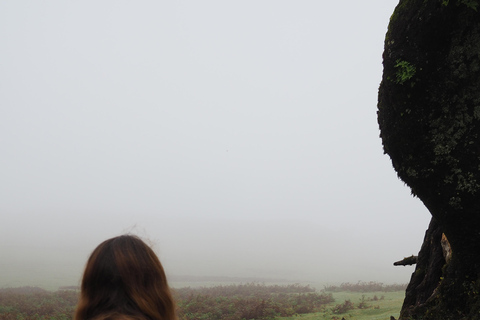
<point x="239" y="137"/>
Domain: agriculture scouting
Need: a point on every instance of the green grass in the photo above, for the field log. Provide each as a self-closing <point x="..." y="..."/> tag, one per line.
<point x="381" y="309"/>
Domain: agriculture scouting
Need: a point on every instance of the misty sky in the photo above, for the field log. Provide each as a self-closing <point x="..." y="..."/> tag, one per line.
<point x="240" y="137"/>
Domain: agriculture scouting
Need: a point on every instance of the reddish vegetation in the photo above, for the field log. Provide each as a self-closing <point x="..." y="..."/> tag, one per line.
<point x="231" y="302"/>
<point x="36" y="304"/>
<point x="249" y="301"/>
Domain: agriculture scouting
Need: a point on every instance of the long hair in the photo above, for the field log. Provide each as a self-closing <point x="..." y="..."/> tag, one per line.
<point x="124" y="279"/>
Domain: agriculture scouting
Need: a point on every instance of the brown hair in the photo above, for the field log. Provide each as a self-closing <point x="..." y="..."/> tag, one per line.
<point x="124" y="279"/>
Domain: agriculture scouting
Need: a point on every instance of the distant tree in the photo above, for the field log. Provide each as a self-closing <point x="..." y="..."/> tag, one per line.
<point x="429" y="118"/>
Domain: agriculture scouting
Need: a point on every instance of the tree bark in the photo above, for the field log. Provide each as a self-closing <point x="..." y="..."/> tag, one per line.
<point x="427" y="275"/>
<point x="429" y="118"/>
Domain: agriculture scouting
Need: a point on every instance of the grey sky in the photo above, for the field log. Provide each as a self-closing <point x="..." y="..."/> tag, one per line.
<point x="239" y="136"/>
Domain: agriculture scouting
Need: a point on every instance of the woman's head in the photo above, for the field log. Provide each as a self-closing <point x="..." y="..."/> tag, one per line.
<point x="124" y="279"/>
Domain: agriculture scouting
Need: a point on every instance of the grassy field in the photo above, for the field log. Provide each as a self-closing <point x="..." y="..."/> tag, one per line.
<point x="380" y="309"/>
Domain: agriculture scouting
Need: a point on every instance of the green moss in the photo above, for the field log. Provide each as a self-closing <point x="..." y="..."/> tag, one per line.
<point x="419" y="272"/>
<point x="401" y="7"/>
<point x="412" y="172"/>
<point x="405" y="71"/>
<point x="476" y="112"/>
<point x="455" y="202"/>
<point x="472" y="4"/>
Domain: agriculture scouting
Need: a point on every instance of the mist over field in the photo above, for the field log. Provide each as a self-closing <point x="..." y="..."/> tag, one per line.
<point x="240" y="138"/>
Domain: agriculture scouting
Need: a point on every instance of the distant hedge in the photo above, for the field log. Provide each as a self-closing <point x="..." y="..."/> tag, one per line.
<point x="366" y="287"/>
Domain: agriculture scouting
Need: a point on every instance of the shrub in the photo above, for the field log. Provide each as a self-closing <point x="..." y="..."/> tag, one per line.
<point x="343" y="308"/>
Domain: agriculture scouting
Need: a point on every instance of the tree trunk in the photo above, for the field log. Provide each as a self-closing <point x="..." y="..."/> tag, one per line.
<point x="427" y="275"/>
<point x="429" y="117"/>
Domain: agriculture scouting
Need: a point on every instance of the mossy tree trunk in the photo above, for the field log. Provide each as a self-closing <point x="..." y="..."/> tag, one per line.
<point x="429" y="117"/>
